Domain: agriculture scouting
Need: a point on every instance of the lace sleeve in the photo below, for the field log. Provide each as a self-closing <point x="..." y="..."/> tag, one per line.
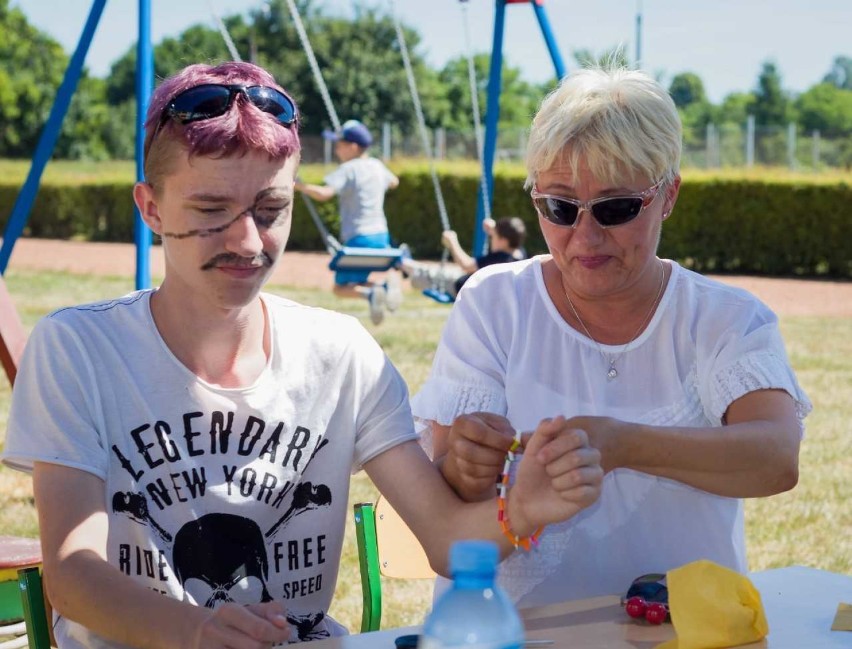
<point x="758" y="370"/>
<point x="442" y="400"/>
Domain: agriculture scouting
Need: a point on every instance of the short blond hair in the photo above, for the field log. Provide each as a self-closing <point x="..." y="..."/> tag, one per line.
<point x="617" y="121"/>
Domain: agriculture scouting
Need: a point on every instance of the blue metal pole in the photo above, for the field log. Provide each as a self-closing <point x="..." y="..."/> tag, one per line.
<point x="492" y="117"/>
<point x="47" y="140"/>
<point x="552" y="47"/>
<point x="144" y="84"/>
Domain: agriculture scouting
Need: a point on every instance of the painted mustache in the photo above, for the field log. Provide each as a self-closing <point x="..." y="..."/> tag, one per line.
<point x="231" y="260"/>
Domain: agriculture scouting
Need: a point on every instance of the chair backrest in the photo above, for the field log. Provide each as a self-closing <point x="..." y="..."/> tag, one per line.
<point x="35" y="608"/>
<point x="386" y="547"/>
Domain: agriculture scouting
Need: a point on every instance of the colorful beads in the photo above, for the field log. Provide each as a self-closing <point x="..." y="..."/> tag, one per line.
<point x="502" y="513"/>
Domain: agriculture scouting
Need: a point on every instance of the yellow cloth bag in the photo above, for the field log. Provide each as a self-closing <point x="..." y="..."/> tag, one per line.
<point x="712" y="607"/>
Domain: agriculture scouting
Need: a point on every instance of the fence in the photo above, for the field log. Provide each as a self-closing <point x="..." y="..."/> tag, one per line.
<point x="731" y="145"/>
<point x="716" y="146"/>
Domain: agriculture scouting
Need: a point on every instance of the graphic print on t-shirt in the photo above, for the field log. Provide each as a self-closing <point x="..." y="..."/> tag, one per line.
<point x="222" y="557"/>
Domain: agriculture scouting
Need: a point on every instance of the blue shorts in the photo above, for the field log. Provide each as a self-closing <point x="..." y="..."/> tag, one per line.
<point x="379" y="240"/>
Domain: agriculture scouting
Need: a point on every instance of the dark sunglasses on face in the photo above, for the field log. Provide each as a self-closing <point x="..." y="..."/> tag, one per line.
<point x="211" y="100"/>
<point x="608" y="211"/>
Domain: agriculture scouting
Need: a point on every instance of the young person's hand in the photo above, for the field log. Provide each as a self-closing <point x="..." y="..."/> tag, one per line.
<point x="559" y="475"/>
<point x="449" y="238"/>
<point x="234" y="626"/>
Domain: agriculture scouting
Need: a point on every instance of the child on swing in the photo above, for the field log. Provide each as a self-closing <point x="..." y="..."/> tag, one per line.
<point x="505" y="243"/>
<point x="360" y="183"/>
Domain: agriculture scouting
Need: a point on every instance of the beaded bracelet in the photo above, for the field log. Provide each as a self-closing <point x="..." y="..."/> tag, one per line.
<point x="502" y="510"/>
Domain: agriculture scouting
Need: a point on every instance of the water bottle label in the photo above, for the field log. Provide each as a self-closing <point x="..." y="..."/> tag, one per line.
<point x="433" y="643"/>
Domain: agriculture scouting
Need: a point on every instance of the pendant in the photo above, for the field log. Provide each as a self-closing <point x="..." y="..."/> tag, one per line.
<point x="612" y="373"/>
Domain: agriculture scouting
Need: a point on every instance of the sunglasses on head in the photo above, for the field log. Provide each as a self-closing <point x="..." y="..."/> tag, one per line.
<point x="608" y="211"/>
<point x="211" y="100"/>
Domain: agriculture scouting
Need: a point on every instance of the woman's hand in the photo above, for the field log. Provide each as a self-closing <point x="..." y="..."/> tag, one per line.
<point x="559" y="475"/>
<point x="257" y="626"/>
<point x="605" y="434"/>
<point x="476" y="450"/>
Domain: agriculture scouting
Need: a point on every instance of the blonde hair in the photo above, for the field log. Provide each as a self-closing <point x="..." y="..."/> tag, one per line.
<point x="617" y="121"/>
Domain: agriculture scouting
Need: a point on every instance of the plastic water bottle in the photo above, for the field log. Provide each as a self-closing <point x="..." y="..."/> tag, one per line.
<point x="474" y="613"/>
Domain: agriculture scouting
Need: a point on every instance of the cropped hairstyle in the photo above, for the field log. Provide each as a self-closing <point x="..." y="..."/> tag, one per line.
<point x="615" y="121"/>
<point x="512" y="229"/>
<point x="242" y="129"/>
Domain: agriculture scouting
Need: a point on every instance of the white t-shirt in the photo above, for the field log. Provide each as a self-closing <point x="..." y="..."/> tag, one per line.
<point x="360" y="185"/>
<point x="214" y="494"/>
<point x="505" y="349"/>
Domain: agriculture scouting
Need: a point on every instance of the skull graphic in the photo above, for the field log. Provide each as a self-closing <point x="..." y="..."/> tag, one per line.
<point x="221" y="558"/>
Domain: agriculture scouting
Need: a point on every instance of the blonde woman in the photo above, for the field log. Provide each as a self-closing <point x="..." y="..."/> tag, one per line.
<point x="682" y="383"/>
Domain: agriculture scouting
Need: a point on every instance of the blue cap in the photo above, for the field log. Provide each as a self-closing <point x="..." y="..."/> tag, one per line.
<point x="351" y="131"/>
<point x="477" y="557"/>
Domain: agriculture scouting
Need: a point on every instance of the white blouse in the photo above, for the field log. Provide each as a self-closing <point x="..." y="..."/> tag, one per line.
<point x="505" y="349"/>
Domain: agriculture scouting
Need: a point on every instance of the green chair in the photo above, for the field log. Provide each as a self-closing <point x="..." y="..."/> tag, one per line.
<point x="15" y="553"/>
<point x="35" y="609"/>
<point x="386" y="547"/>
<point x="397" y="555"/>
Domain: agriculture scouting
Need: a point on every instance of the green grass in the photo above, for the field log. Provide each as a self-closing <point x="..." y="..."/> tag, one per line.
<point x="808" y="526"/>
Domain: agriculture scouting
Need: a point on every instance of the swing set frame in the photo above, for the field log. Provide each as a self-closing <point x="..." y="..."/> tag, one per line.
<point x="342" y="257"/>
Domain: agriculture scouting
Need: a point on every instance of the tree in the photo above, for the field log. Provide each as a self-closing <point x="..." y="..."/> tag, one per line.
<point x="736" y="107"/>
<point x="197" y="43"/>
<point x="83" y="130"/>
<point x="840" y="74"/>
<point x="518" y="99"/>
<point x="826" y="108"/>
<point x="771" y="105"/>
<point x="360" y="61"/>
<point x="686" y="89"/>
<point x="32" y="66"/>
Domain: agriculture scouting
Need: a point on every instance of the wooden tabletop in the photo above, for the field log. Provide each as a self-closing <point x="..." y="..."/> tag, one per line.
<point x="800" y="604"/>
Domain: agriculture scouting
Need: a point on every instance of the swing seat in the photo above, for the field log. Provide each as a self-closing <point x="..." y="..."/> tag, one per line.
<point x="439" y="296"/>
<point x="371" y="259"/>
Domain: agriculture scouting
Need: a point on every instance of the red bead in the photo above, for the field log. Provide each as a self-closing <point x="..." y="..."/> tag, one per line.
<point x="656" y="613"/>
<point x="635" y="607"/>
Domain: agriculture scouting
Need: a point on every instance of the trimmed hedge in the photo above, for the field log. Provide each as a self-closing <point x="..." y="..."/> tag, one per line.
<point x="91" y="211"/>
<point x="721" y="224"/>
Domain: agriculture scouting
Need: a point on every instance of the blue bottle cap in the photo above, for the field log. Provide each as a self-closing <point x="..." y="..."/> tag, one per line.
<point x="477" y="557"/>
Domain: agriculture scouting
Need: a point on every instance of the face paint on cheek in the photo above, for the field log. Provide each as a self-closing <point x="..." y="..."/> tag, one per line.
<point x="265" y="218"/>
<point x="202" y="232"/>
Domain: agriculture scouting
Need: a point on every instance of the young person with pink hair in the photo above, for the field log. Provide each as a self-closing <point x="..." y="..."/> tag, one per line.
<point x="191" y="445"/>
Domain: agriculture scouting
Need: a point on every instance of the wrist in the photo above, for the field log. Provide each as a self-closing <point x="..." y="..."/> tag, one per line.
<point x="517" y="539"/>
<point x="518" y="521"/>
<point x="512" y="518"/>
<point x="626" y="447"/>
<point x="191" y="630"/>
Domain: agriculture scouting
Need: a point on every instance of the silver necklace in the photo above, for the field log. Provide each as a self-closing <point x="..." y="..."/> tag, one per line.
<point x="612" y="373"/>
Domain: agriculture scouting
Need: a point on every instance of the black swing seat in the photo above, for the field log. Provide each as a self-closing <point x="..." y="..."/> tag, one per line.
<point x="372" y="259"/>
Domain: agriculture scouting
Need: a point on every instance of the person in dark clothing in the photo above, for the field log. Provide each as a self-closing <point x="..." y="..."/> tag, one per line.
<point x="506" y="238"/>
